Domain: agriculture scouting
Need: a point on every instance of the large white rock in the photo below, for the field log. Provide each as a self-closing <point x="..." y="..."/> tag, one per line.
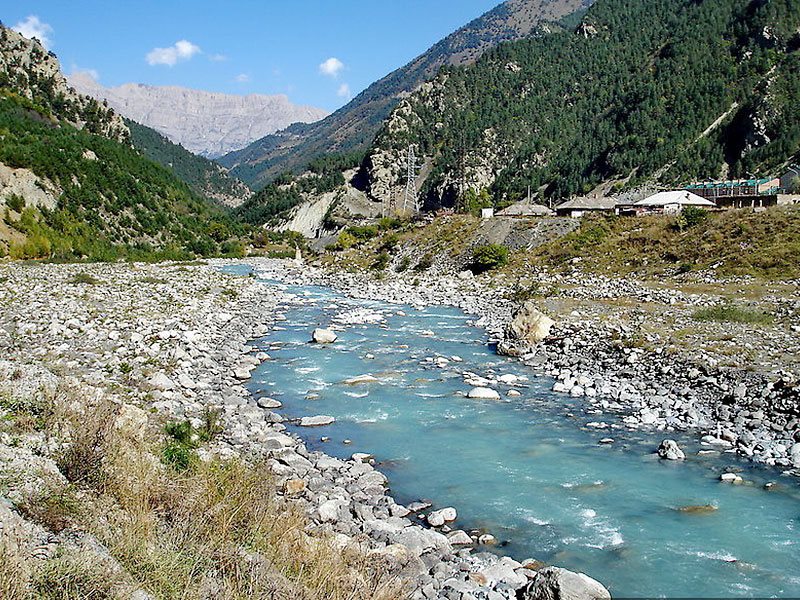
<point x="555" y="583"/>
<point x="323" y="336"/>
<point x="318" y="421"/>
<point x="529" y="324"/>
<point x="483" y="393"/>
<point x="161" y="382"/>
<point x="669" y="450"/>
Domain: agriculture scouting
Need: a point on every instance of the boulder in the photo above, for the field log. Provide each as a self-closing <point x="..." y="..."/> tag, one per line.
<point x="318" y="421"/>
<point x="483" y="393"/>
<point x="161" y="382"/>
<point x="555" y="583"/>
<point x="528" y="327"/>
<point x="323" y="336"/>
<point x="669" y="450"/>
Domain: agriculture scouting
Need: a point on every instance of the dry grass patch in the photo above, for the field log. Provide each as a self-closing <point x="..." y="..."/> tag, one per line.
<point x="205" y="529"/>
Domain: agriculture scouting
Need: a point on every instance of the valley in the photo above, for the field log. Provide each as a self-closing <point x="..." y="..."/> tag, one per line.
<point x="519" y="321"/>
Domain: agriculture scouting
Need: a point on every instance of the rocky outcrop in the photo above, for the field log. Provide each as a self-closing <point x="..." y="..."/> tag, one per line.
<point x="205" y="123"/>
<point x="25" y="184"/>
<point x="527" y="328"/>
<point x="33" y="72"/>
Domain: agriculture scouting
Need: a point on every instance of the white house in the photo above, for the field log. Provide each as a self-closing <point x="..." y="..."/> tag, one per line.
<point x="667" y="203"/>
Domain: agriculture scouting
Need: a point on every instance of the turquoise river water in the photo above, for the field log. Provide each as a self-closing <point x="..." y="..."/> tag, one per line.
<point x="527" y="469"/>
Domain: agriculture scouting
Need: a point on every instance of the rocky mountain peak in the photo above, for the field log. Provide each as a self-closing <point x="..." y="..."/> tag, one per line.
<point x="206" y="123"/>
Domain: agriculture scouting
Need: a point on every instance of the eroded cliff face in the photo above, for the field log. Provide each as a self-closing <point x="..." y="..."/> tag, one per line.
<point x="31" y="71"/>
<point x="205" y="123"/>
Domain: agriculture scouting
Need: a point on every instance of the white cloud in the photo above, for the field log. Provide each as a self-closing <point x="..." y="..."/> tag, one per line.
<point x="217" y="58"/>
<point x="343" y="91"/>
<point x="32" y="27"/>
<point x="181" y="51"/>
<point x="242" y="78"/>
<point x="76" y="70"/>
<point x="331" y="67"/>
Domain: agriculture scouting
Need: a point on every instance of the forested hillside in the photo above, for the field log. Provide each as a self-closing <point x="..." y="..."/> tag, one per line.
<point x="72" y="186"/>
<point x="353" y="127"/>
<point x="655" y="89"/>
<point x="205" y="177"/>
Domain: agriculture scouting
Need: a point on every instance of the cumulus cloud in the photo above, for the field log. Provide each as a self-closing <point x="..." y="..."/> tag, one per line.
<point x="33" y="27"/>
<point x="343" y="91"/>
<point x="181" y="51"/>
<point x="331" y="67"/>
<point x="242" y="78"/>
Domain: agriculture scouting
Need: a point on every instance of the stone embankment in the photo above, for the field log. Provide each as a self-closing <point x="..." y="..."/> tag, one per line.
<point x="171" y="342"/>
<point x="634" y="352"/>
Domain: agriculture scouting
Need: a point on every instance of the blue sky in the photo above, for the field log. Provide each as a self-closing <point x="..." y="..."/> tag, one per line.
<point x="318" y="52"/>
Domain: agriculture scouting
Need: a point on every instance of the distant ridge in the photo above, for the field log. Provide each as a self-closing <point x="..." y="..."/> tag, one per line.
<point x="354" y="126"/>
<point x="206" y="123"/>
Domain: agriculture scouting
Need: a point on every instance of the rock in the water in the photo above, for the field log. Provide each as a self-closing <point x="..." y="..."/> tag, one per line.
<point x="323" y="336"/>
<point x="669" y="450"/>
<point x="483" y="393"/>
<point x="527" y="328"/>
<point x="317" y="421"/>
<point x="555" y="583"/>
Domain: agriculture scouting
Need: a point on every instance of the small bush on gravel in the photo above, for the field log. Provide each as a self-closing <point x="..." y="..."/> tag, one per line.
<point x="488" y="257"/>
<point x="730" y="313"/>
<point x="84" y="278"/>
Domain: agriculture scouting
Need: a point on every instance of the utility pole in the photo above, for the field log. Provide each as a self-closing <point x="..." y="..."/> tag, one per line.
<point x="411" y="197"/>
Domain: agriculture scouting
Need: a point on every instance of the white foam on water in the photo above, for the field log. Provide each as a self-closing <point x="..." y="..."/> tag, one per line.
<point x="306" y="370"/>
<point x="723" y="556"/>
<point x="356" y="394"/>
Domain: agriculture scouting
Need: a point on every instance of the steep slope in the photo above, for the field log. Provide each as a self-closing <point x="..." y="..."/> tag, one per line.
<point x="205" y="123"/>
<point x="34" y="73"/>
<point x="71" y="185"/>
<point x="664" y="90"/>
<point x="354" y="126"/>
<point x="204" y="176"/>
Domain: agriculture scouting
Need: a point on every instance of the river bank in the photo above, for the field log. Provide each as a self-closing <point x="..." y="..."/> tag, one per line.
<point x="634" y="352"/>
<point x="170" y="342"/>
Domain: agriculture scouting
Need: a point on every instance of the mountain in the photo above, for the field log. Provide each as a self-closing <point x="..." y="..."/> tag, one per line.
<point x="205" y="123"/>
<point x="660" y="91"/>
<point x="354" y="126"/>
<point x="204" y="176"/>
<point x="71" y="184"/>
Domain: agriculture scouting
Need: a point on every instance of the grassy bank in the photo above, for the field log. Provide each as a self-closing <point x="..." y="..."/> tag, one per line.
<point x="174" y="528"/>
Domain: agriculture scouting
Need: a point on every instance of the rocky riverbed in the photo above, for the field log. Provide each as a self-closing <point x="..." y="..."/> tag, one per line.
<point x="173" y="341"/>
<point x="633" y="351"/>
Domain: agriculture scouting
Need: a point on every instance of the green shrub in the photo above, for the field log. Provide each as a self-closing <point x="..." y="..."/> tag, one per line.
<point x="488" y="257"/>
<point x="16" y="203"/>
<point x="425" y="263"/>
<point x="363" y="233"/>
<point x="730" y="313"/>
<point x="690" y="217"/>
<point x="381" y="262"/>
<point x="403" y="265"/>
<point x="84" y="278"/>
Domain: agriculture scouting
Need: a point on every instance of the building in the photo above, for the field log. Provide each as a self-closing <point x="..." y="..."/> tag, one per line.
<point x="664" y="203"/>
<point x="578" y="207"/>
<point x="487" y="213"/>
<point x="735" y="188"/>
<point x="526" y="209"/>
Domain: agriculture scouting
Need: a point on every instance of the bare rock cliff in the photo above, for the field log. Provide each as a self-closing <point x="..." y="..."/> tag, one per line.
<point x="205" y="123"/>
